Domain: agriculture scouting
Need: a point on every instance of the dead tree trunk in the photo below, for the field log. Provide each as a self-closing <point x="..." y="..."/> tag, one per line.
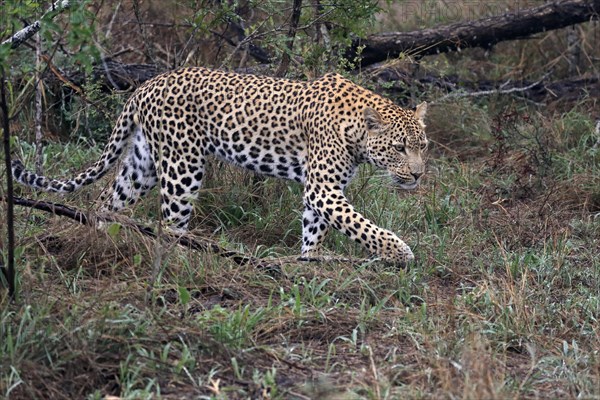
<point x="481" y="33"/>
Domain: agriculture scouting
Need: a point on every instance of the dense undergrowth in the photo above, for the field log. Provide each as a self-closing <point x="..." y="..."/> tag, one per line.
<point x="502" y="302"/>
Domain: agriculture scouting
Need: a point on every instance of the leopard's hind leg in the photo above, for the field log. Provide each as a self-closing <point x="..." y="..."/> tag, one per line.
<point x="137" y="175"/>
<point x="180" y="181"/>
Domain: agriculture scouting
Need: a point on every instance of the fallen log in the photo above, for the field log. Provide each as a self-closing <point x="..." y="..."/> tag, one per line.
<point x="480" y="33"/>
<point x="109" y="74"/>
<point x="484" y="32"/>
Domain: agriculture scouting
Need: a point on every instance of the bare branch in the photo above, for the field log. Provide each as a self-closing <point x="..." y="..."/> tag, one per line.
<point x="186" y="240"/>
<point x="24" y="34"/>
<point x="393" y="80"/>
<point x="499" y="90"/>
<point x="66" y="81"/>
<point x="39" y="87"/>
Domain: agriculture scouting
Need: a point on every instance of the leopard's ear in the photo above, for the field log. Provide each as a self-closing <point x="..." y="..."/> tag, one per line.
<point x="420" y="112"/>
<point x="373" y="120"/>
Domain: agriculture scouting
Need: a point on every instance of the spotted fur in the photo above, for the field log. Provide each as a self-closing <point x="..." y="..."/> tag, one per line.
<point x="316" y="133"/>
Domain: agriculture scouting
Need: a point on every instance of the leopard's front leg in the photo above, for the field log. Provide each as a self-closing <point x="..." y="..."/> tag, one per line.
<point x="314" y="229"/>
<point x="331" y="208"/>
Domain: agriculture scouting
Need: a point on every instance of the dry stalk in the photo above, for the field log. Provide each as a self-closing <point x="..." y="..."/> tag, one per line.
<point x="9" y="270"/>
<point x="38" y="105"/>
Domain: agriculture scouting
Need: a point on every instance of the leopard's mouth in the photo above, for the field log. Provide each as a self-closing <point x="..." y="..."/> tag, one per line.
<point x="404" y="184"/>
<point x="409" y="186"/>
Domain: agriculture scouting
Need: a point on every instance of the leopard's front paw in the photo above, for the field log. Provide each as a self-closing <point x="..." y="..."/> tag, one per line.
<point x="394" y="251"/>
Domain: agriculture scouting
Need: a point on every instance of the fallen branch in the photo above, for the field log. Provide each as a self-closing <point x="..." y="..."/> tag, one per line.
<point x="500" y="90"/>
<point x="398" y="82"/>
<point x="484" y="32"/>
<point x="186" y="241"/>
<point x="110" y="74"/>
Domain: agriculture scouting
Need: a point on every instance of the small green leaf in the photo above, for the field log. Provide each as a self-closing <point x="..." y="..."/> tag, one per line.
<point x="184" y="295"/>
<point x="113" y="230"/>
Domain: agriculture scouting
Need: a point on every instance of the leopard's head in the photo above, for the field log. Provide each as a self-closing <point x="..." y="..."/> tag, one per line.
<point x="396" y="142"/>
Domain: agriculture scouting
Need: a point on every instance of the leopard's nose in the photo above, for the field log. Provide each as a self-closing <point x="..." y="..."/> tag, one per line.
<point x="416" y="175"/>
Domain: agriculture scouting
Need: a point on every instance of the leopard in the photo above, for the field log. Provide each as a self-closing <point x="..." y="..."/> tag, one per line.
<point x="315" y="132"/>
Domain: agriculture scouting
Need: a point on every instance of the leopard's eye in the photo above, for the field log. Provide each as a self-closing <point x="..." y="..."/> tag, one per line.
<point x="400" y="148"/>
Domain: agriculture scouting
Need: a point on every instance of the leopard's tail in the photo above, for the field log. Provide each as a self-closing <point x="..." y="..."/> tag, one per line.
<point x="117" y="143"/>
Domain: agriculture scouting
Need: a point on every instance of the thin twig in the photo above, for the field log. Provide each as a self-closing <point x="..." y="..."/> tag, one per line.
<point x="61" y="77"/>
<point x="375" y="374"/>
<point x="38" y="105"/>
<point x="112" y="21"/>
<point x="256" y="34"/>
